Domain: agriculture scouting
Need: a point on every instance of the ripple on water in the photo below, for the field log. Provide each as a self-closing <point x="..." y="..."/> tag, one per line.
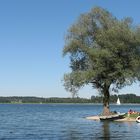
<point x="38" y="122"/>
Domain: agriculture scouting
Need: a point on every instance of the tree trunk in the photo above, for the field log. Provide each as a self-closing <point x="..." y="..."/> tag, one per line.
<point x="106" y="110"/>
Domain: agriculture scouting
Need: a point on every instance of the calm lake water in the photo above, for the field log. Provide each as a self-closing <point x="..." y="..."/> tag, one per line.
<point x="63" y="122"/>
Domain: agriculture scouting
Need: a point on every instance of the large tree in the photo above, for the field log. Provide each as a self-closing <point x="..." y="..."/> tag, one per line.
<point x="103" y="52"/>
<point x="138" y="53"/>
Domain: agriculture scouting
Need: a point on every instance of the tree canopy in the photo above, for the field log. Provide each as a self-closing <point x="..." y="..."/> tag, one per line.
<point x="103" y="51"/>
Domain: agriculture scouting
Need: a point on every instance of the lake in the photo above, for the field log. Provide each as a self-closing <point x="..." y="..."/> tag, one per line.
<point x="63" y="122"/>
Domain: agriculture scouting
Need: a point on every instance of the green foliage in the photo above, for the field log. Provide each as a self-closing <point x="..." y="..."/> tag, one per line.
<point x="103" y="51"/>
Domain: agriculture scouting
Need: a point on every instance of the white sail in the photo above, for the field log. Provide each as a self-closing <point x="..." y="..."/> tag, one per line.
<point x="118" y="101"/>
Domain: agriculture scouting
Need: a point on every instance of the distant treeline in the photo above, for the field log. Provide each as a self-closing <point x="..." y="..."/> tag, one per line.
<point x="16" y="99"/>
<point x="124" y="98"/>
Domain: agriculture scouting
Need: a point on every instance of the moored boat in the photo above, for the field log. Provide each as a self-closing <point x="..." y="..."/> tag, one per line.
<point x="138" y="119"/>
<point x="112" y="117"/>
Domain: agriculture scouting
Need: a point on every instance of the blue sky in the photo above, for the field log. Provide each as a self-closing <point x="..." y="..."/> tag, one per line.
<point x="32" y="36"/>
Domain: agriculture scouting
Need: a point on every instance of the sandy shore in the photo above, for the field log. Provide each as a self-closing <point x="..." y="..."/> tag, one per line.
<point x="95" y="118"/>
<point x="126" y="119"/>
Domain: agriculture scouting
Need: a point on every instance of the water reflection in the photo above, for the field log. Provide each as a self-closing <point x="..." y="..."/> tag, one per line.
<point x="106" y="130"/>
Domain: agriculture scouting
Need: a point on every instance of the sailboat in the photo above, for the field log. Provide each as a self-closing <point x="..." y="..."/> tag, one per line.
<point x="118" y="101"/>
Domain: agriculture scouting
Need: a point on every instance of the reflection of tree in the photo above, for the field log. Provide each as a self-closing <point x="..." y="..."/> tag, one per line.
<point x="106" y="130"/>
<point x="73" y="133"/>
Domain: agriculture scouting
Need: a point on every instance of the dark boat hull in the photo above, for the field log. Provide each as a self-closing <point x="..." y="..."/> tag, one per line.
<point x="112" y="117"/>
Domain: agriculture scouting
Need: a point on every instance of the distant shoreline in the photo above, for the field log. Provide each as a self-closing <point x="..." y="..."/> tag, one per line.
<point x="77" y="103"/>
<point x="124" y="99"/>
